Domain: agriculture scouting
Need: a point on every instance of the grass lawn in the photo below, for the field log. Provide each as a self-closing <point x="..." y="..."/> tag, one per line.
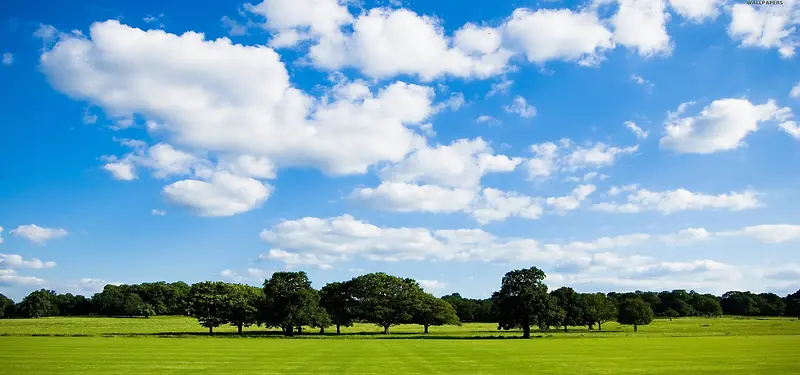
<point x="174" y="345"/>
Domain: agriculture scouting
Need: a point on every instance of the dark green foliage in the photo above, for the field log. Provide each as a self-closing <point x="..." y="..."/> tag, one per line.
<point x="739" y="303"/>
<point x="598" y="309"/>
<point x="634" y="311"/>
<point x="670" y="313"/>
<point x="770" y="304"/>
<point x="289" y="301"/>
<point x="386" y="300"/>
<point x="572" y="303"/>
<point x="793" y="304"/>
<point x="472" y="310"/>
<point x="209" y="303"/>
<point x="6" y="306"/>
<point x="337" y="299"/>
<point x="38" y="304"/>
<point x="242" y="305"/>
<point x="522" y="300"/>
<point x="434" y="311"/>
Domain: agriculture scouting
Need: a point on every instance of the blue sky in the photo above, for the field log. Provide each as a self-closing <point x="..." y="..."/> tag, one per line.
<point x="616" y="144"/>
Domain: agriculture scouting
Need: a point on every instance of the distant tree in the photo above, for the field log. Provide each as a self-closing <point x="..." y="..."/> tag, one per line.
<point x="243" y="303"/>
<point x="677" y="300"/>
<point x="770" y="304"/>
<point x="386" y="300"/>
<point x="522" y="300"/>
<point x="209" y="303"/>
<point x="636" y="312"/>
<point x="434" y="311"/>
<point x="670" y="313"/>
<point x="472" y="310"/>
<point x="793" y="304"/>
<point x="289" y="300"/>
<point x="5" y="306"/>
<point x="598" y="309"/>
<point x="708" y="305"/>
<point x="133" y="305"/>
<point x="38" y="304"/>
<point x="320" y="319"/>
<point x="337" y="299"/>
<point x="553" y="315"/>
<point x="572" y="304"/>
<point x="739" y="303"/>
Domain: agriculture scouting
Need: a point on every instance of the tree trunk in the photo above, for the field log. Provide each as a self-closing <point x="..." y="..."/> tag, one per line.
<point x="239" y="327"/>
<point x="526" y="331"/>
<point x="426" y="328"/>
<point x="210" y="330"/>
<point x="321" y="330"/>
<point x="670" y="318"/>
<point x="635" y="328"/>
<point x="338" y="330"/>
<point x="599" y="326"/>
<point x="565" y="328"/>
<point x="299" y="329"/>
<point x="288" y="331"/>
<point x="385" y="329"/>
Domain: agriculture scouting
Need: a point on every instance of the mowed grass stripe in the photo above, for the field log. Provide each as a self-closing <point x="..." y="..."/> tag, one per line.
<point x="625" y="355"/>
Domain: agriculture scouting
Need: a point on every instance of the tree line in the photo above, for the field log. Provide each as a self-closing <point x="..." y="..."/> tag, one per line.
<point x="287" y="301"/>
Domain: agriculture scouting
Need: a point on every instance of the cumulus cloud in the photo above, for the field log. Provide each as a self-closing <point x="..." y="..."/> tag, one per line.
<point x="671" y="201"/>
<point x="460" y="164"/>
<point x="432" y="285"/>
<point x="636" y="130"/>
<point x="521" y="107"/>
<point x="549" y="158"/>
<point x="405" y="197"/>
<point x="16" y="261"/>
<point x="9" y="277"/>
<point x="224" y="194"/>
<point x="791" y="128"/>
<point x="158" y="212"/>
<point x="551" y="35"/>
<point x="720" y="126"/>
<point x="641" y="25"/>
<point x="8" y="58"/>
<point x="319" y="242"/>
<point x="766" y="26"/>
<point x="37" y="234"/>
<point x="497" y="205"/>
<point x="697" y="11"/>
<point x="795" y="93"/>
<point x="572" y="201"/>
<point x="1" y="234"/>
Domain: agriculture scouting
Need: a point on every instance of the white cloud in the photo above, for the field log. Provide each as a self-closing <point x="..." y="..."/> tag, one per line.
<point x="157" y="212"/>
<point x="85" y="286"/>
<point x="687" y="236"/>
<point x="672" y="201"/>
<point x="121" y="170"/>
<point x="1" y="234"/>
<point x="636" y="130"/>
<point x="641" y="25"/>
<point x="292" y="260"/>
<point x="616" y="190"/>
<point x="16" y="261"/>
<point x="249" y="166"/>
<point x="8" y="58"/>
<point x="404" y="197"/>
<point x="572" y="201"/>
<point x="795" y="93"/>
<point x="521" y="107"/>
<point x="720" y="126"/>
<point x="543" y="164"/>
<point x="239" y="101"/>
<point x="709" y="268"/>
<point x="9" y="277"/>
<point x="486" y="119"/>
<point x="37" y="234"/>
<point x="548" y="35"/>
<point x="311" y="18"/>
<point x="766" y="26"/>
<point x="641" y="81"/>
<point x="233" y="26"/>
<point x="460" y="164"/>
<point x="497" y="205"/>
<point x="697" y="10"/>
<point x="88" y="118"/>
<point x="453" y="102"/>
<point x="769" y="233"/>
<point x="224" y="194"/>
<point x="596" y="156"/>
<point x="791" y="128"/>
<point x="389" y="42"/>
<point x="253" y="275"/>
<point x="501" y="87"/>
<point x="432" y="285"/>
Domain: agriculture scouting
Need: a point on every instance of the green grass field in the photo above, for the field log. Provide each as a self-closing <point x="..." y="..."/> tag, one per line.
<point x="175" y="345"/>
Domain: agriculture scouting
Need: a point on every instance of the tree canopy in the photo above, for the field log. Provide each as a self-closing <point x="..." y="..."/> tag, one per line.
<point x="522" y="300"/>
<point x="386" y="300"/>
<point x="634" y="311"/>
